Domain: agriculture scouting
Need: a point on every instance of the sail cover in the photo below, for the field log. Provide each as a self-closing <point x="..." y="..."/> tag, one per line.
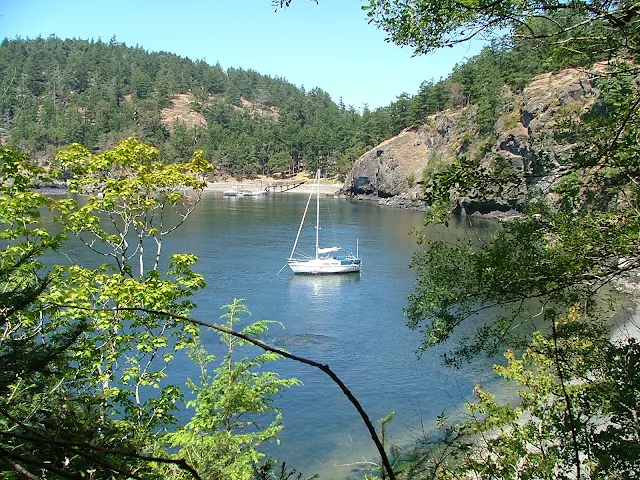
<point x="329" y="249"/>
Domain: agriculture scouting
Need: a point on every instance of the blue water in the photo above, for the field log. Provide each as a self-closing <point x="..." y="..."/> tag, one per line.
<point x="352" y="322"/>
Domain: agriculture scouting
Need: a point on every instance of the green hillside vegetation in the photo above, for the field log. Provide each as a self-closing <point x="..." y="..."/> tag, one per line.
<point x="56" y="92"/>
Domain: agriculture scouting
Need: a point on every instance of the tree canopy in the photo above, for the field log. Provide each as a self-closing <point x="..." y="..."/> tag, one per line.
<point x="548" y="270"/>
<point x="84" y="351"/>
<point x="593" y="28"/>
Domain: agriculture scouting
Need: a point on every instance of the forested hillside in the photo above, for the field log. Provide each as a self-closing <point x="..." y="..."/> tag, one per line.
<point x="56" y="92"/>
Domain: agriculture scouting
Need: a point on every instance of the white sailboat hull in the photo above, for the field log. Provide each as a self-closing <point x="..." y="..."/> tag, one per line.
<point x="324" y="265"/>
<point x="254" y="193"/>
<point x="233" y="192"/>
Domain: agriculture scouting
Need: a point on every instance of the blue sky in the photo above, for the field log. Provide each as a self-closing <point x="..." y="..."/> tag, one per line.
<point x="329" y="45"/>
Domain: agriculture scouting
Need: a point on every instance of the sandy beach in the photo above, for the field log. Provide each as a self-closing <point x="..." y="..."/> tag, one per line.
<point x="325" y="188"/>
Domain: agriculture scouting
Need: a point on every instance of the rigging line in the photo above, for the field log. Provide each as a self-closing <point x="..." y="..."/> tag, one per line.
<point x="328" y="211"/>
<point x="334" y="240"/>
<point x="301" y="223"/>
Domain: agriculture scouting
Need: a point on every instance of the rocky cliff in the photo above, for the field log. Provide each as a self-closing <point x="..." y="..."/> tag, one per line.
<point x="392" y="172"/>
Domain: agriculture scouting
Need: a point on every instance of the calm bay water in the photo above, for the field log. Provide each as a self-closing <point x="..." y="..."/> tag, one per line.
<point x="352" y="322"/>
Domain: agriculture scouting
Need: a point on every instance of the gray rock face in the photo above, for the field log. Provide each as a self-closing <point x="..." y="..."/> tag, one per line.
<point x="542" y="100"/>
<point x="385" y="171"/>
<point x="391" y="171"/>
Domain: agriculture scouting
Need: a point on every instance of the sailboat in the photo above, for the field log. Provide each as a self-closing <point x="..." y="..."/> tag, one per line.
<point x="328" y="259"/>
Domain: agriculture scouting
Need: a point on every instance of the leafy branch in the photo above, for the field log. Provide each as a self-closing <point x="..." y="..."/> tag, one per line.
<point x="258" y="343"/>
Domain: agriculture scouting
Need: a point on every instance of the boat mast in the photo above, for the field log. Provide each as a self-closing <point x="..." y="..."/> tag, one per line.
<point x="317" y="212"/>
<point x="304" y="215"/>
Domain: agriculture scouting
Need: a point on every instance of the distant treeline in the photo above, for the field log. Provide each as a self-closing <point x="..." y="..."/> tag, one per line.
<point x="55" y="92"/>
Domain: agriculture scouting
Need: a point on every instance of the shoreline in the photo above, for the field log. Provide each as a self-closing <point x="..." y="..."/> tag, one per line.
<point x="219" y="187"/>
<point x="325" y="188"/>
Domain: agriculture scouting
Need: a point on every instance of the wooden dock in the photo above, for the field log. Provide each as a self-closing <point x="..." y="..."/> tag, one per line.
<point x="283" y="187"/>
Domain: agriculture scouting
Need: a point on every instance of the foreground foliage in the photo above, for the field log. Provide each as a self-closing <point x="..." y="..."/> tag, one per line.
<point x="85" y="393"/>
<point x="229" y="406"/>
<point x="581" y="233"/>
<point x="576" y="416"/>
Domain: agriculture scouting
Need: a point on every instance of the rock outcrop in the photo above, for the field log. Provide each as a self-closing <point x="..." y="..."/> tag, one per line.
<point x="393" y="171"/>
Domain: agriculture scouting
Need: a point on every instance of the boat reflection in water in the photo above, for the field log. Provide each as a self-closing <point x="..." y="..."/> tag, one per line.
<point x="312" y="285"/>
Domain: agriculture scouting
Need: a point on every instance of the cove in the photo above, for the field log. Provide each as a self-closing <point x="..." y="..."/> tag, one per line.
<point x="352" y="322"/>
